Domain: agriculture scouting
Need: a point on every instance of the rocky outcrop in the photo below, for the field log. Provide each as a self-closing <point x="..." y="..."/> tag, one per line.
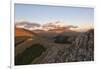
<point x="81" y="49"/>
<point x="54" y="55"/>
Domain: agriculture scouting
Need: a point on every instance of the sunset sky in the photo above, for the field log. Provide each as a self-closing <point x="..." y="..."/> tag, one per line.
<point x="81" y="17"/>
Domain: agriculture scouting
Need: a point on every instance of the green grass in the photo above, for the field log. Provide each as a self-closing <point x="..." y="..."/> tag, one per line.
<point x="29" y="54"/>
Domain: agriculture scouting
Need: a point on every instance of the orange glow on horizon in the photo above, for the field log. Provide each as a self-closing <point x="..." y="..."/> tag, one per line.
<point x="58" y="26"/>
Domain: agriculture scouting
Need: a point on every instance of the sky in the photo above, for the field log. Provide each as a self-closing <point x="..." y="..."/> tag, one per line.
<point x="41" y="14"/>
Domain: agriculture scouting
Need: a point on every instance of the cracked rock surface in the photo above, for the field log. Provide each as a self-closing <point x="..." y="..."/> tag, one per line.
<point x="81" y="49"/>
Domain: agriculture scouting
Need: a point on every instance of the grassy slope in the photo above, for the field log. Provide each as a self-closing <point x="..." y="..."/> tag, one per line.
<point x="29" y="54"/>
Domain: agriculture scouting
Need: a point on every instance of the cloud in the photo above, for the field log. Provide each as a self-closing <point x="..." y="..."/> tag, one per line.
<point x="58" y="25"/>
<point x="71" y="26"/>
<point x="27" y="24"/>
<point x="48" y="26"/>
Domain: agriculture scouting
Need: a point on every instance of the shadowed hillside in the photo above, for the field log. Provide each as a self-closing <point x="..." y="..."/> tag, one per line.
<point x="29" y="54"/>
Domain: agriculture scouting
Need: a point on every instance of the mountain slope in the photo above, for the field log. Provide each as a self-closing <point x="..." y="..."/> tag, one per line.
<point x="82" y="49"/>
<point x="23" y="32"/>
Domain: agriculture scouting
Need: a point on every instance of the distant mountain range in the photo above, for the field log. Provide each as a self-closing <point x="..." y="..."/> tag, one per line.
<point x="51" y="26"/>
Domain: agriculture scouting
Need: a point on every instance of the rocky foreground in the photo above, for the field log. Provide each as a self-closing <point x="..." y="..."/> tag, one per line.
<point x="81" y="49"/>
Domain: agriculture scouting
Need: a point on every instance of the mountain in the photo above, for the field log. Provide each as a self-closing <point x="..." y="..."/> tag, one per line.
<point x="23" y="32"/>
<point x="59" y="30"/>
<point x="81" y="49"/>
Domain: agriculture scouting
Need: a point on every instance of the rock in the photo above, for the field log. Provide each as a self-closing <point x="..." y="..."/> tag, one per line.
<point x="82" y="48"/>
<point x="55" y="55"/>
